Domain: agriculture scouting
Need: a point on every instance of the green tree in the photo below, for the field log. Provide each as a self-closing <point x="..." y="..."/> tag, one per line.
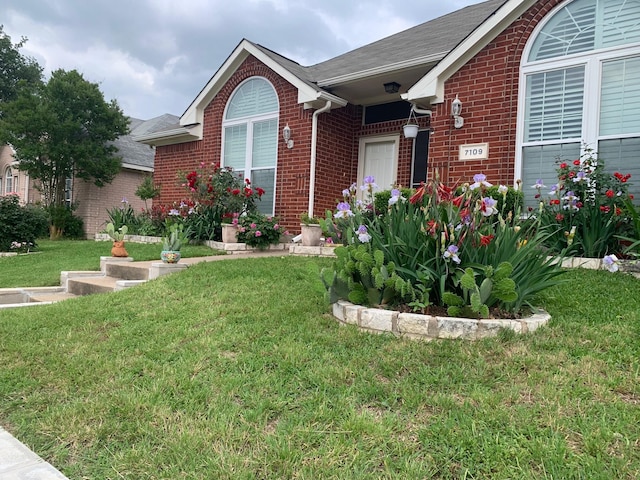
<point x="16" y="70"/>
<point x="64" y="129"/>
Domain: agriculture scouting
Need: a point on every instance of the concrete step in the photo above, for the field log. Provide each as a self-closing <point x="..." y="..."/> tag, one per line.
<point x="50" y="297"/>
<point x="91" y="285"/>
<point x="127" y="271"/>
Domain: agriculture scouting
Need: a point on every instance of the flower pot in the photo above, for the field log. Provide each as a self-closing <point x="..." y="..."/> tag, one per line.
<point x="311" y="235"/>
<point x="118" y="249"/>
<point x="229" y="233"/>
<point x="410" y="130"/>
<point x="170" y="256"/>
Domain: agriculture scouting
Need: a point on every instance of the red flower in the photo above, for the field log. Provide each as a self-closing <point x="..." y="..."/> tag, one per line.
<point x="259" y="191"/>
<point x="559" y="217"/>
<point x="572" y="174"/>
<point x="420" y="191"/>
<point x="433" y="226"/>
<point x="563" y="165"/>
<point x="236" y="191"/>
<point x="248" y="192"/>
<point x="610" y="193"/>
<point x="554" y="201"/>
<point x="631" y="196"/>
<point x="618" y="211"/>
<point x="486" y="239"/>
<point x="605" y="209"/>
<point x="247" y="181"/>
<point x="576" y="162"/>
<point x="457" y="201"/>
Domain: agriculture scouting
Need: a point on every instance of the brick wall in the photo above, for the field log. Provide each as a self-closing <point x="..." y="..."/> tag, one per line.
<point x="93" y="202"/>
<point x="488" y="87"/>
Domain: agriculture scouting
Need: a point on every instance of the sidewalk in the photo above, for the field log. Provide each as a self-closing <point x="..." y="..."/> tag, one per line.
<point x="17" y="462"/>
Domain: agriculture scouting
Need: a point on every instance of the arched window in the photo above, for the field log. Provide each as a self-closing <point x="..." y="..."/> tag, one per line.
<point x="8" y="181"/>
<point x="250" y="136"/>
<point x="580" y="84"/>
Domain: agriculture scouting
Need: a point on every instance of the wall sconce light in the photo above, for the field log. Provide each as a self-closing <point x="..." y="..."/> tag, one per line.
<point x="456" y="110"/>
<point x="391" y="87"/>
<point x="286" y="135"/>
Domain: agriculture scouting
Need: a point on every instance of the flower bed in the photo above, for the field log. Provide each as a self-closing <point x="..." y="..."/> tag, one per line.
<point x="429" y="327"/>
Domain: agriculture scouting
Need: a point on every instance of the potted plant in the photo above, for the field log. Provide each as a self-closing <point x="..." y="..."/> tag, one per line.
<point x="117" y="236"/>
<point x="172" y="243"/>
<point x="230" y="228"/>
<point x="311" y="230"/>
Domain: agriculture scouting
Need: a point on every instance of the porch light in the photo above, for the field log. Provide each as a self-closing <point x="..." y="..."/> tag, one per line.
<point x="392" y="87"/>
<point x="286" y="135"/>
<point x="456" y="111"/>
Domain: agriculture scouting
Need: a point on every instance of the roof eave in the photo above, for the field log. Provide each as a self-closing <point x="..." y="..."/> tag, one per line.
<point x="169" y="137"/>
<point x="381" y="70"/>
<point x="430" y="89"/>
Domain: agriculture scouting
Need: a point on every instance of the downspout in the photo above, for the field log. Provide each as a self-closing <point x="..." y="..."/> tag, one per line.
<point x="314" y="146"/>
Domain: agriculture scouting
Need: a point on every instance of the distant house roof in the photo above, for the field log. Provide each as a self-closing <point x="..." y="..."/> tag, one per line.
<point x="138" y="156"/>
<point x="355" y="77"/>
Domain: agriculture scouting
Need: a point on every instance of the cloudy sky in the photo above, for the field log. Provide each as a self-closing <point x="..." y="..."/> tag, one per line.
<point x="154" y="56"/>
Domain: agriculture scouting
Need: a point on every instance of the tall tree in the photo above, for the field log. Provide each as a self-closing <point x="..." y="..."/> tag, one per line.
<point x="64" y="129"/>
<point x="15" y="69"/>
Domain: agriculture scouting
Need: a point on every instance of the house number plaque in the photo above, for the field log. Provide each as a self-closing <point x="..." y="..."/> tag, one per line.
<point x="476" y="151"/>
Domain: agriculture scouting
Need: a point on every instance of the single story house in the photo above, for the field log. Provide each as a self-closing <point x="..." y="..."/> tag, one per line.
<point x="502" y="87"/>
<point x="92" y="202"/>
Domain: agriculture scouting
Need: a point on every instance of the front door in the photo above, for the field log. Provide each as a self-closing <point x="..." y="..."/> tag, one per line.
<point x="378" y="157"/>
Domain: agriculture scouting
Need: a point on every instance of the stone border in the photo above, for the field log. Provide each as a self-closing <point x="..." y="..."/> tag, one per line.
<point x="428" y="327"/>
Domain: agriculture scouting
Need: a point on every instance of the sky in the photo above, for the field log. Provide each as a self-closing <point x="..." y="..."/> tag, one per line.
<point x="154" y="56"/>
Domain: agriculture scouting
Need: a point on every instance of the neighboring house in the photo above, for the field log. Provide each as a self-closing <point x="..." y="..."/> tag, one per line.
<point x="537" y="80"/>
<point x="93" y="202"/>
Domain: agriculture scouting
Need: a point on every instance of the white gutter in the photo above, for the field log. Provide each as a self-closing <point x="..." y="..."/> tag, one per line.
<point x="314" y="146"/>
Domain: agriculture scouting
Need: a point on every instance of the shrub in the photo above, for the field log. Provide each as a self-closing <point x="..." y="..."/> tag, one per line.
<point x="217" y="193"/>
<point x="587" y="210"/>
<point x="260" y="231"/>
<point x="20" y="225"/>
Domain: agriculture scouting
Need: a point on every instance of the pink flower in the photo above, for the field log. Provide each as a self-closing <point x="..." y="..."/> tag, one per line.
<point x="258" y="233"/>
<point x="276" y="226"/>
<point x="253" y="225"/>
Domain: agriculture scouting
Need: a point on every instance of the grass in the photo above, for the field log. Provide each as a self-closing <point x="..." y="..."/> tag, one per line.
<point x="235" y="370"/>
<point x="42" y="268"/>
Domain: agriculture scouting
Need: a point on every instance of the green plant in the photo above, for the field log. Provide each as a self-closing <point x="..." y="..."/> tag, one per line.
<point x="116" y="235"/>
<point x="20" y="224"/>
<point x="259" y="231"/>
<point x="305" y="219"/>
<point x="147" y="190"/>
<point x="586" y="210"/>
<point x="495" y="285"/>
<point x="434" y="236"/>
<point x="362" y="276"/>
<point x="175" y="237"/>
<point x="122" y="215"/>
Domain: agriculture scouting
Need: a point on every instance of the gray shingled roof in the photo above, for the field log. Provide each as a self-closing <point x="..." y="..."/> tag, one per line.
<point x="138" y="154"/>
<point x="429" y="39"/>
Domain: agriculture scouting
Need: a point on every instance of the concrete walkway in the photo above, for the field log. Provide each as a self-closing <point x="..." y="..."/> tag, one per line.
<point x="18" y="462"/>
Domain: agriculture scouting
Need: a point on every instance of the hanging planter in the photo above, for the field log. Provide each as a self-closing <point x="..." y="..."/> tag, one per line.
<point x="410" y="129"/>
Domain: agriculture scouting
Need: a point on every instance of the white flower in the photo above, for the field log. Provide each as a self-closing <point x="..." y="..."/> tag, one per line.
<point x="610" y="262"/>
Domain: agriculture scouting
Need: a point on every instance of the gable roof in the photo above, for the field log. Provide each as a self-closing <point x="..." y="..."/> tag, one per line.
<point x="357" y="76"/>
<point x="430" y="89"/>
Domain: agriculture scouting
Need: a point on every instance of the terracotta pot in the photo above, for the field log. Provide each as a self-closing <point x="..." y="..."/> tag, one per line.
<point x="118" y="249"/>
<point x="229" y="233"/>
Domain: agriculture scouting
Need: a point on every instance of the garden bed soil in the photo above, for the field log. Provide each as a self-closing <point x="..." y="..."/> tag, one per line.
<point x="439" y="311"/>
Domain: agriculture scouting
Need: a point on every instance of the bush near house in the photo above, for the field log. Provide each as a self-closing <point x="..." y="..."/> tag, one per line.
<point x="20" y="226"/>
<point x="587" y="210"/>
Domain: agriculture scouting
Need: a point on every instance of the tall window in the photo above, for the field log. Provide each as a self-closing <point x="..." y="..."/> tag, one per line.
<point x="580" y="84"/>
<point x="8" y="180"/>
<point x="250" y="136"/>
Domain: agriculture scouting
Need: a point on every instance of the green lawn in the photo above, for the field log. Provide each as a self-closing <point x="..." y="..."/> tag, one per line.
<point x="236" y="370"/>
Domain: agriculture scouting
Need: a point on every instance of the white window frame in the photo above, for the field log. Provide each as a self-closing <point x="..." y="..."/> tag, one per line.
<point x="250" y="121"/>
<point x="592" y="61"/>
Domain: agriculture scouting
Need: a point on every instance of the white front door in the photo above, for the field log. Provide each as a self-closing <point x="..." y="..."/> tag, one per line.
<point x="378" y="157"/>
